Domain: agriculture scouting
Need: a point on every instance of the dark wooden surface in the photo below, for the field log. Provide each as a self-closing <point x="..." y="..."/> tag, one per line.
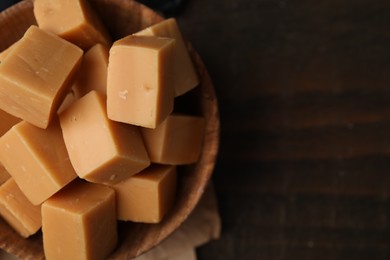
<point x="304" y="92"/>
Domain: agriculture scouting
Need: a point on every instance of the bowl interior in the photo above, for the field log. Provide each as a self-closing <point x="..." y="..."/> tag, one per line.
<point x="123" y="17"/>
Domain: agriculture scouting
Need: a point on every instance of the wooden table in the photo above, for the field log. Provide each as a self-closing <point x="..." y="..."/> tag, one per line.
<point x="304" y="93"/>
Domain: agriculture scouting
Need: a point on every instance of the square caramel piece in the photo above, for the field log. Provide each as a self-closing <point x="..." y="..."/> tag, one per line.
<point x="178" y="140"/>
<point x="101" y="150"/>
<point x="35" y="76"/>
<point x="139" y="80"/>
<point x="18" y="211"/>
<point x="93" y="71"/>
<point x="146" y="197"/>
<point x="72" y="20"/>
<point x="37" y="159"/>
<point x="79" y="222"/>
<point x="186" y="77"/>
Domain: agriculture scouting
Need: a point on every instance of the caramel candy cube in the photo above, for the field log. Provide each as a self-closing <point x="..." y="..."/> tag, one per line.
<point x="37" y="159"/>
<point x="79" y="222"/>
<point x="17" y="210"/>
<point x="186" y="77"/>
<point x="92" y="75"/>
<point x="35" y="75"/>
<point x="147" y="196"/>
<point x="139" y="80"/>
<point x="93" y="71"/>
<point x="177" y="140"/>
<point x="74" y="20"/>
<point x="101" y="150"/>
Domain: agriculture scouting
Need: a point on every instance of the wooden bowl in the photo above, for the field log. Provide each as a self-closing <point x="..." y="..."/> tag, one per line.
<point x="123" y="17"/>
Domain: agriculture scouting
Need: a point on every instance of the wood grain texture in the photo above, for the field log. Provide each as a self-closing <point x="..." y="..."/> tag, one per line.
<point x="123" y="17"/>
<point x="304" y="91"/>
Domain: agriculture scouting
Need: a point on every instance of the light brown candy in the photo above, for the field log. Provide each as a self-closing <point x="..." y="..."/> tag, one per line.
<point x="79" y="222"/>
<point x="101" y="150"/>
<point x="186" y="77"/>
<point x="139" y="80"/>
<point x="93" y="71"/>
<point x="17" y="210"/>
<point x="147" y="196"/>
<point x="37" y="159"/>
<point x="73" y="20"/>
<point x="177" y="140"/>
<point x="35" y="76"/>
